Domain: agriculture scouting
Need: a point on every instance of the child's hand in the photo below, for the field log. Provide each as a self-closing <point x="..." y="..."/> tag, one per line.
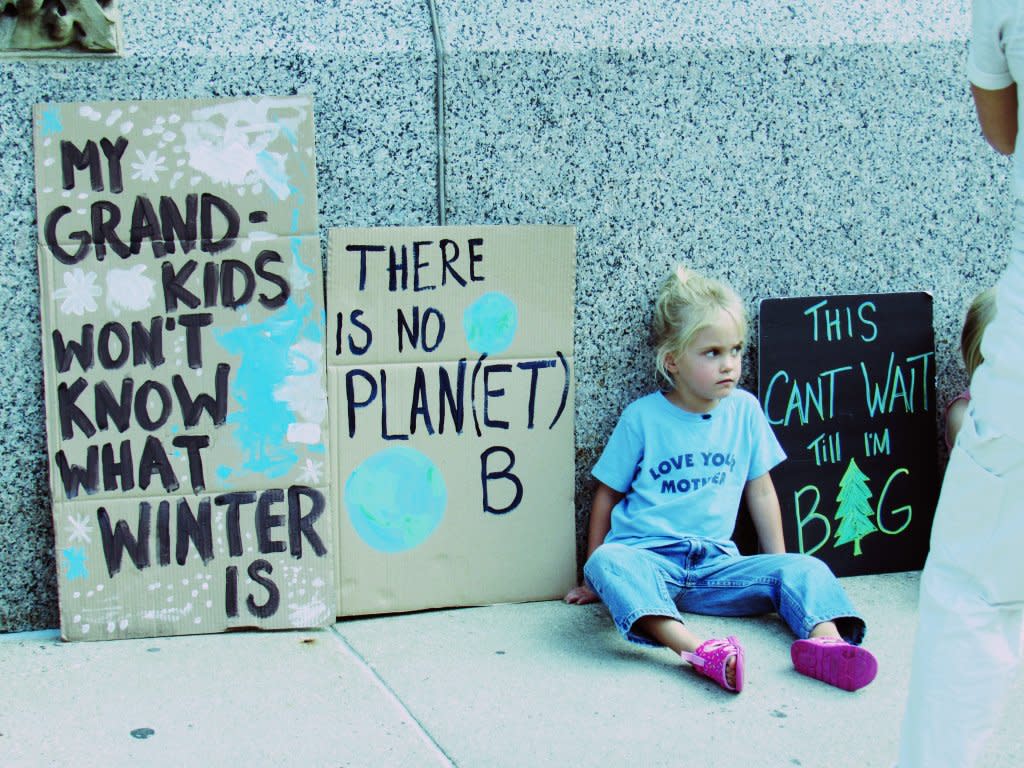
<point x="581" y="596"/>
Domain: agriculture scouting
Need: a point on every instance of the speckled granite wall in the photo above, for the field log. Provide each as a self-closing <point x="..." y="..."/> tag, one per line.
<point x="795" y="148"/>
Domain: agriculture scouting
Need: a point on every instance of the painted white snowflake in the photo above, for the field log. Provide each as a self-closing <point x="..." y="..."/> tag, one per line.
<point x="129" y="289"/>
<point x="311" y="472"/>
<point x="78" y="528"/>
<point x="79" y="292"/>
<point x="149" y="166"/>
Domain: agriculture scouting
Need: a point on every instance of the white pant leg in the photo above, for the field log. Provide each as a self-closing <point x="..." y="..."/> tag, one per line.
<point x="963" y="665"/>
<point x="968" y="643"/>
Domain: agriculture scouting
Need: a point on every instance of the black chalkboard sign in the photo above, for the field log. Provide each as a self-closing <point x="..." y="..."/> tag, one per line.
<point x="848" y="385"/>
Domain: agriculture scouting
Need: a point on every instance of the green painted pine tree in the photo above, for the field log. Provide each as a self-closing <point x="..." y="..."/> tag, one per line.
<point x="854" y="510"/>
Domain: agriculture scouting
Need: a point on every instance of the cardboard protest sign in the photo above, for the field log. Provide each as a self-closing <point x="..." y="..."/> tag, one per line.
<point x="848" y="385"/>
<point x="183" y="354"/>
<point x="450" y="371"/>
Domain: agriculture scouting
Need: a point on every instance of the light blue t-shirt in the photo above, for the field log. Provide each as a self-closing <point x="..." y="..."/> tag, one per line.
<point x="684" y="473"/>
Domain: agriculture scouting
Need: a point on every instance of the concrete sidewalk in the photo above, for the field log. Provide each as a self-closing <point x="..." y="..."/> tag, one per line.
<point x="540" y="684"/>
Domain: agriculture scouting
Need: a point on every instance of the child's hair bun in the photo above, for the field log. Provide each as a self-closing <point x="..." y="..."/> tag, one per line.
<point x="688" y="301"/>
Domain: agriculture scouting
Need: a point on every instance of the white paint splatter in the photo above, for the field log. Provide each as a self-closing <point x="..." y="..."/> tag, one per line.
<point x="304" y="433"/>
<point x="303" y="390"/>
<point x="254" y="237"/>
<point x="230" y="143"/>
<point x="312" y="614"/>
<point x="129" y="289"/>
<point x="172" y="615"/>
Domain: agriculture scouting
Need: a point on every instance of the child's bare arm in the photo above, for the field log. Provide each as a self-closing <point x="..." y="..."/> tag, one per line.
<point x="763" y="503"/>
<point x="605" y="499"/>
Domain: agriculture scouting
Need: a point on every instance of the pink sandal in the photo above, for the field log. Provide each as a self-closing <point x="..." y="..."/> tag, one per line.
<point x="834" y="661"/>
<point x="711" y="657"/>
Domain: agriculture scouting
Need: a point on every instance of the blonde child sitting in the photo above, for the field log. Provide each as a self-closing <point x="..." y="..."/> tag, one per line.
<point x="669" y="484"/>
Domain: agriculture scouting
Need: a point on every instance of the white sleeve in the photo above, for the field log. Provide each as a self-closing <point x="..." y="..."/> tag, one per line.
<point x="986" y="58"/>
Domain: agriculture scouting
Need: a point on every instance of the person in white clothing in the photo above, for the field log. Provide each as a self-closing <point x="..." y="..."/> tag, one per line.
<point x="969" y="638"/>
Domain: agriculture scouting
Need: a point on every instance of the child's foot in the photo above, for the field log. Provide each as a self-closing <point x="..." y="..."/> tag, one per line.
<point x="834" y="661"/>
<point x="721" y="660"/>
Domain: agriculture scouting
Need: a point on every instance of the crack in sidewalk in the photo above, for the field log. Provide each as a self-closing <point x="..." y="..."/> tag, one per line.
<point x="443" y="758"/>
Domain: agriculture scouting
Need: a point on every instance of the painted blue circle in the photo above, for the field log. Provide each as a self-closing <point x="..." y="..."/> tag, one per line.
<point x="395" y="499"/>
<point x="490" y="323"/>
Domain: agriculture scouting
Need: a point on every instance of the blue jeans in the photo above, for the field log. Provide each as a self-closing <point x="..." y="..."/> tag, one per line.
<point x="697" y="576"/>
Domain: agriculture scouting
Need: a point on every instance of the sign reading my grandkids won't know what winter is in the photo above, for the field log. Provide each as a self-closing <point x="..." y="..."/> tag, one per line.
<point x="183" y="352"/>
<point x="848" y="385"/>
<point x="450" y="369"/>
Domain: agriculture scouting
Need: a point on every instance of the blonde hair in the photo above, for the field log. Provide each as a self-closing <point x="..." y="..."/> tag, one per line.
<point x="687" y="303"/>
<point x="979" y="315"/>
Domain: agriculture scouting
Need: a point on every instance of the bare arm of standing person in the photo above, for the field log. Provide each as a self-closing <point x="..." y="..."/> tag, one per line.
<point x="955" y="419"/>
<point x="605" y="499"/>
<point x="763" y="504"/>
<point x="997" y="114"/>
